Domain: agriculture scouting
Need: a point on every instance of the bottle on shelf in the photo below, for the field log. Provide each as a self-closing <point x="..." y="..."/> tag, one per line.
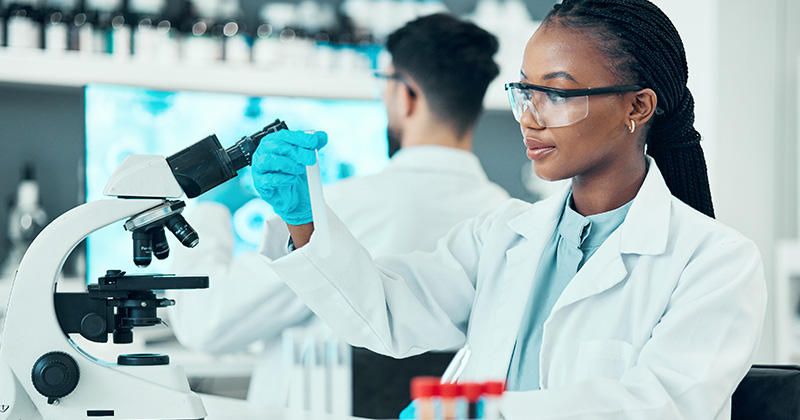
<point x="111" y="32"/>
<point x="80" y="35"/>
<point x="56" y="24"/>
<point x="120" y="35"/>
<point x="264" y="44"/>
<point x="56" y="32"/>
<point x="3" y="20"/>
<point x="200" y="44"/>
<point x="24" y="25"/>
<point x="236" y="41"/>
<point x="275" y="34"/>
<point x="144" y="18"/>
<point x="26" y="219"/>
<point x="320" y="22"/>
<point x="172" y="27"/>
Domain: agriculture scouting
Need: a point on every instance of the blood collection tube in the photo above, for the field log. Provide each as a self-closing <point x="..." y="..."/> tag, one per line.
<point x="424" y="391"/>
<point x="492" y="392"/>
<point x="449" y="397"/>
<point x="472" y="392"/>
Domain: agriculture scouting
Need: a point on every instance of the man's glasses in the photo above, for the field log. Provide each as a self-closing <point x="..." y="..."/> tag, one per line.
<point x="555" y="107"/>
<point x="384" y="77"/>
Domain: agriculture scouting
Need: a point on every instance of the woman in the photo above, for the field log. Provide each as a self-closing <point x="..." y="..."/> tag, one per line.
<point x="619" y="298"/>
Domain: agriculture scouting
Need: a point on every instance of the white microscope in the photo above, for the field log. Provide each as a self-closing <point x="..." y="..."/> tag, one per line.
<point x="43" y="372"/>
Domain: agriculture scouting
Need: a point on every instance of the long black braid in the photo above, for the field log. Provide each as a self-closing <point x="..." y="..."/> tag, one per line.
<point x="645" y="49"/>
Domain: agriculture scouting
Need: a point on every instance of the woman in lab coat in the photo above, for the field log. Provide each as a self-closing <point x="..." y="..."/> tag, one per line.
<point x="619" y="298"/>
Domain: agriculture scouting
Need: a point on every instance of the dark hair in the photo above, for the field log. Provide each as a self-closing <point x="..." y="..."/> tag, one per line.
<point x="644" y="48"/>
<point x="451" y="60"/>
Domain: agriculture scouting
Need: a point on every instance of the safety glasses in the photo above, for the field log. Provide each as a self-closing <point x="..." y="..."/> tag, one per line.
<point x="383" y="77"/>
<point x="555" y="107"/>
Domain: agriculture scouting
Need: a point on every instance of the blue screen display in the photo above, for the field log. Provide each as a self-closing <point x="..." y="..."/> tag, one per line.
<point x="128" y="120"/>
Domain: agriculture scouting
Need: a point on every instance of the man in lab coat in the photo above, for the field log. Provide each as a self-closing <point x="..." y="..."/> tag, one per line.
<point x="433" y="182"/>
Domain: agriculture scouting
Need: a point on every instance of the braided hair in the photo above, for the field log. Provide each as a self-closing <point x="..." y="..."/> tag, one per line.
<point x="644" y="48"/>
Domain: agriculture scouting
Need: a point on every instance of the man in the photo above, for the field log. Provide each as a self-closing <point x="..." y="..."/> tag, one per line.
<point x="441" y="67"/>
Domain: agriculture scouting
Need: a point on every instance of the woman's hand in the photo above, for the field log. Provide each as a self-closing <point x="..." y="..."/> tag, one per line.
<point x="279" y="172"/>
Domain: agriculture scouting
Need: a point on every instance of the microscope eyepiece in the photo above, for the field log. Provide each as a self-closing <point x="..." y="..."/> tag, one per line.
<point x="183" y="231"/>
<point x="206" y="164"/>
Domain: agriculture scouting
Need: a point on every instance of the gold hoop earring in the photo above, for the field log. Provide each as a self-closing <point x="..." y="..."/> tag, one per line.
<point x="633" y="126"/>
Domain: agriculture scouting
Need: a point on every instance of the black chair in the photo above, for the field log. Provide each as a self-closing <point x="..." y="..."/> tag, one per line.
<point x="768" y="392"/>
<point x="381" y="385"/>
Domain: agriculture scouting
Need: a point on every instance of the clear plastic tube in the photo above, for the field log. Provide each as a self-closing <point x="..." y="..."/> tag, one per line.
<point x="320" y="214"/>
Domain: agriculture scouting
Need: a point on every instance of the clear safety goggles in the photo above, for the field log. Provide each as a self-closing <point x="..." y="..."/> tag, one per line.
<point x="383" y="78"/>
<point x="555" y="107"/>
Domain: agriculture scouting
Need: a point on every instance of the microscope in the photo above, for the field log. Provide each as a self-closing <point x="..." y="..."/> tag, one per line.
<point x="44" y="374"/>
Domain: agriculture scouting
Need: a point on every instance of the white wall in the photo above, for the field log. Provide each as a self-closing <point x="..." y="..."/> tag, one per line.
<point x="745" y="183"/>
<point x="696" y="22"/>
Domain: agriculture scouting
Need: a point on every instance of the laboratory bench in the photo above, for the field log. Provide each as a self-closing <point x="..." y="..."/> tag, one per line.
<point x="222" y="408"/>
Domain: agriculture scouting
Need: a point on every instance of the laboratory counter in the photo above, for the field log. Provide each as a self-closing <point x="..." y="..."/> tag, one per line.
<point x="222" y="408"/>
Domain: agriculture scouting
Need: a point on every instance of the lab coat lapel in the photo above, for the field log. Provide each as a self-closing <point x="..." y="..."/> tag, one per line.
<point x="644" y="231"/>
<point x="535" y="227"/>
<point x="603" y="271"/>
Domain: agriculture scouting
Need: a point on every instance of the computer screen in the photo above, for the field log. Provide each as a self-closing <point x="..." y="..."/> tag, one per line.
<point x="129" y="120"/>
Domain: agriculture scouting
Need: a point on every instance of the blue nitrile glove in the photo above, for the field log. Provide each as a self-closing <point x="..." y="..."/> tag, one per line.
<point x="408" y="413"/>
<point x="279" y="172"/>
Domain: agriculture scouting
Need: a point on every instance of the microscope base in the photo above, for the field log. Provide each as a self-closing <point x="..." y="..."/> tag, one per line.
<point x="15" y="404"/>
<point x="134" y="392"/>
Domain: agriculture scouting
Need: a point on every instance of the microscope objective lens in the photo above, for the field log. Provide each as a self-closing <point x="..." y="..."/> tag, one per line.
<point x="142" y="248"/>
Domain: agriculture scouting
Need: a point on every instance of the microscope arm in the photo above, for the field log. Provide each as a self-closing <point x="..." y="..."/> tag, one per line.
<point x="33" y="336"/>
<point x="43" y="373"/>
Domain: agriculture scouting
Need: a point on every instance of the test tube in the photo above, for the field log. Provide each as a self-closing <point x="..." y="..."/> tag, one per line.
<point x="472" y="392"/>
<point x="318" y="210"/>
<point x="292" y="360"/>
<point x="449" y="399"/>
<point x="314" y="361"/>
<point x="424" y="391"/>
<point x="340" y="382"/>
<point x="492" y="392"/>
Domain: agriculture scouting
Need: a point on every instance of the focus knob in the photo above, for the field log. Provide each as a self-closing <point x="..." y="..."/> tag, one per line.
<point x="55" y="375"/>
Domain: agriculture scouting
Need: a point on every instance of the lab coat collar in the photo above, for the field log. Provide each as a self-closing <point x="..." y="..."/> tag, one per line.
<point x="644" y="231"/>
<point x="432" y="158"/>
<point x="543" y="214"/>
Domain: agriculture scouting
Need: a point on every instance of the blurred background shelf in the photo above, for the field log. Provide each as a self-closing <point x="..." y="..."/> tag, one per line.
<point x="75" y="69"/>
<point x="72" y="69"/>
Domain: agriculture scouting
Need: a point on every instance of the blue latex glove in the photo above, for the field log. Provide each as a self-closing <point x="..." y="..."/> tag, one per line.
<point x="279" y="172"/>
<point x="408" y="413"/>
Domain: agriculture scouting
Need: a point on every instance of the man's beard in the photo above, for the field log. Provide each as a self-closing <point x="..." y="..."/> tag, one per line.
<point x="393" y="139"/>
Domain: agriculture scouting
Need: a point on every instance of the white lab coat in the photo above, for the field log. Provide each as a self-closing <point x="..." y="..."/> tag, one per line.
<point x="423" y="192"/>
<point x="661" y="323"/>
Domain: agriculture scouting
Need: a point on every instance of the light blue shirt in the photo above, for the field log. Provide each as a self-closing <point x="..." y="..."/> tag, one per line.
<point x="574" y="241"/>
